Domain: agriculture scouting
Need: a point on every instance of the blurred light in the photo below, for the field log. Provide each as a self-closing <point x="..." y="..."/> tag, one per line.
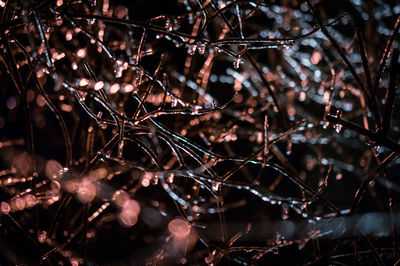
<point x="114" y="88"/>
<point x="11" y="103"/>
<point x="81" y="53"/>
<point x="128" y="88"/>
<point x="120" y="197"/>
<point x="5" y="207"/>
<point x="151" y="217"/>
<point x="53" y="169"/>
<point x="179" y="228"/>
<point x="86" y="192"/>
<point x="30" y="200"/>
<point x="99" y="85"/>
<point x="132" y="205"/>
<point x="83" y="82"/>
<point x="128" y="218"/>
<point x="40" y="101"/>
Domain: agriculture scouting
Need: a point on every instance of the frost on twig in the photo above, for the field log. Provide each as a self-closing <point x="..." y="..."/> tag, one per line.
<point x="211" y="132"/>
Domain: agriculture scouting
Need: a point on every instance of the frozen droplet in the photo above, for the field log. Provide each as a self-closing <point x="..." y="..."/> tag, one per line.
<point x="376" y="150"/>
<point x="338" y="114"/>
<point x="201" y="48"/>
<point x="196" y="109"/>
<point x="42" y="237"/>
<point x="338" y="128"/>
<point x="192" y="49"/>
<point x="102" y="125"/>
<point x="118" y="68"/>
<point x="174" y="102"/>
<point x="285" y="211"/>
<point x="191" y="18"/>
<point x="170" y="178"/>
<point x="289" y="147"/>
<point x="215" y="186"/>
<point x="169" y="25"/>
<point x="237" y="61"/>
